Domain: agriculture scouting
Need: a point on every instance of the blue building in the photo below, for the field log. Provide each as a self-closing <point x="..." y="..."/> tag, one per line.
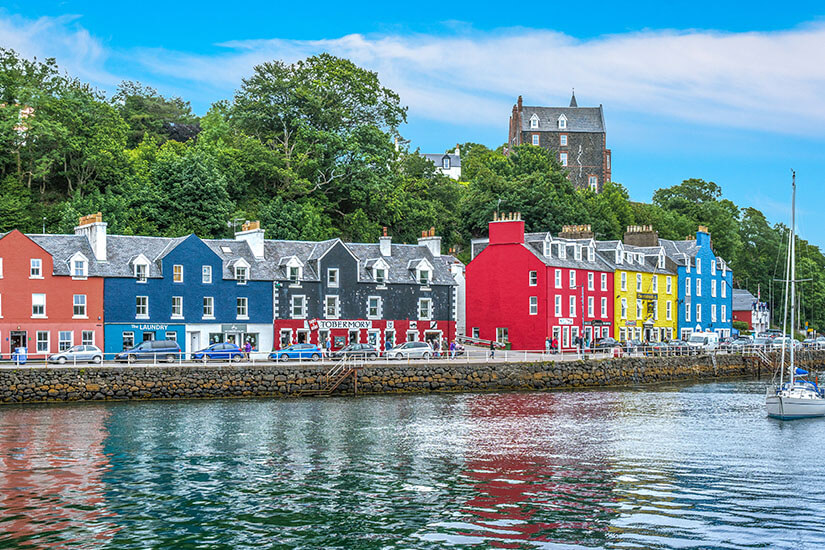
<point x="186" y="289"/>
<point x="705" y="286"/>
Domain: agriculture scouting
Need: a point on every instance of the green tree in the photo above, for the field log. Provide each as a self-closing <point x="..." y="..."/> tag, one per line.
<point x="147" y="113"/>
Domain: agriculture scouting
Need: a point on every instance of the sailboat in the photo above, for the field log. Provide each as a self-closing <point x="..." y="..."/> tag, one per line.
<point x="797" y="398"/>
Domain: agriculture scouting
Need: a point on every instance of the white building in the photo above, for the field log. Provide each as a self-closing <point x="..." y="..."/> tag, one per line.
<point x="448" y="164"/>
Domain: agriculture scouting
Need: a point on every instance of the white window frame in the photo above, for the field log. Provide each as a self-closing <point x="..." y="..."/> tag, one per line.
<point x="687" y="313"/>
<point x="624" y="308"/>
<point x="242" y="307"/>
<point x="141" y="305"/>
<point x="591" y="254"/>
<point x="206" y="274"/>
<point x="558" y="278"/>
<point x="36" y="268"/>
<point x="638" y="282"/>
<point x="593" y="182"/>
<point x="563" y="140"/>
<point x="724" y="286"/>
<point x="424" y="277"/>
<point x="558" y="305"/>
<point x="37" y="302"/>
<point x="208" y="311"/>
<point x="698" y="313"/>
<point x="623" y="278"/>
<point x="688" y="286"/>
<point x="177" y="273"/>
<point x="572" y="306"/>
<point x="379" y="306"/>
<point x="332" y="277"/>
<point x="572" y="276"/>
<point x="62" y="343"/>
<point x="177" y="303"/>
<point x="591" y="280"/>
<point x="713" y="267"/>
<point x="85" y="342"/>
<point x="535" y="139"/>
<point x="380" y="275"/>
<point x="669" y="284"/>
<point x="47" y="344"/>
<point x="604" y="281"/>
<point x="590" y="309"/>
<point x="563" y="158"/>
<point x="562" y="122"/>
<point x="336" y="309"/>
<point x="698" y="266"/>
<point x="141" y="272"/>
<point x="298" y="306"/>
<point x="713" y="288"/>
<point x="241" y="274"/>
<point x="639" y="309"/>
<point x="654" y="283"/>
<point x="534" y="305"/>
<point x="724" y="313"/>
<point x="698" y="286"/>
<point x="713" y="313"/>
<point x="533" y="279"/>
<point x="534" y="121"/>
<point x="604" y="308"/>
<point x="84" y="312"/>
<point x="425" y="306"/>
<point x="669" y="310"/>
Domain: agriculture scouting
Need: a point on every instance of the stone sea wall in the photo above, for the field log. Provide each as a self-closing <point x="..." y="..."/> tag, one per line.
<point x="48" y="384"/>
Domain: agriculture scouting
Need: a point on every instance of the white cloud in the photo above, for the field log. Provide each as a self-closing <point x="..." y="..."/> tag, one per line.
<point x="760" y="80"/>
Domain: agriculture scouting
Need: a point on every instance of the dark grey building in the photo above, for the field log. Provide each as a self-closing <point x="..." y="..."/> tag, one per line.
<point x="575" y="134"/>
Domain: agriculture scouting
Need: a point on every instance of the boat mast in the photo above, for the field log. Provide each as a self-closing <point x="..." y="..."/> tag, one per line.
<point x="793" y="272"/>
<point x="785" y="307"/>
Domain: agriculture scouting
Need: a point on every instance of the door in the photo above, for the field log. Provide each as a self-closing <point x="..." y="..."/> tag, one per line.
<point x="353" y="337"/>
<point x="18" y="339"/>
<point x="194" y="341"/>
<point x="148" y="336"/>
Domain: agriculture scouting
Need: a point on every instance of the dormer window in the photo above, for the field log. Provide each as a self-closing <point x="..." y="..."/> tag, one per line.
<point x="445" y="163"/>
<point x="141" y="272"/>
<point x="562" y="251"/>
<point x="241" y="274"/>
<point x="661" y="261"/>
<point x="562" y="122"/>
<point x="79" y="266"/>
<point x="591" y="254"/>
<point x="294" y="274"/>
<point x="547" y="249"/>
<point x="380" y="276"/>
<point x="534" y="121"/>
<point x="577" y="253"/>
<point x="618" y="256"/>
<point x="424" y="277"/>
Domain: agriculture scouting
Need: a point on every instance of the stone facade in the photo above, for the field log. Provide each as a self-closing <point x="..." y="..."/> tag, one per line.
<point x="41" y="384"/>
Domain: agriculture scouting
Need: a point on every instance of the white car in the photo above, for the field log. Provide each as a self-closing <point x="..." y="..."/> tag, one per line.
<point x="411" y="350"/>
<point x="78" y="354"/>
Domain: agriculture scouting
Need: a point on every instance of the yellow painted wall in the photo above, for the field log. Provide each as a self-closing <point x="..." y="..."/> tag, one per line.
<point x="631" y="295"/>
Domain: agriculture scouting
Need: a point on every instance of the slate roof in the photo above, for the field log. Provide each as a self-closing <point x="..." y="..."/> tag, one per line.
<point x="677" y="250"/>
<point x="579" y="119"/>
<point x="455" y="160"/>
<point x="400" y="258"/>
<point x="63" y="247"/>
<point x="743" y="300"/>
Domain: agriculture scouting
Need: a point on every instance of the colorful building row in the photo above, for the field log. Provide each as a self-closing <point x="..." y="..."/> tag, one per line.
<point x="115" y="291"/>
<point x="531" y="288"/>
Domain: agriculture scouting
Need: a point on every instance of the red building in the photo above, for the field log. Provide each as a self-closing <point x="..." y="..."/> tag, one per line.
<point x="525" y="289"/>
<point x="48" y="300"/>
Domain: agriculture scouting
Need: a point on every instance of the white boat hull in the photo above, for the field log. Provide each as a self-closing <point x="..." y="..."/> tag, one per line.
<point x="791" y="408"/>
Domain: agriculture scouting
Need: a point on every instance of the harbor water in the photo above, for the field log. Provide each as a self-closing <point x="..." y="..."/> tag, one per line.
<point x="683" y="466"/>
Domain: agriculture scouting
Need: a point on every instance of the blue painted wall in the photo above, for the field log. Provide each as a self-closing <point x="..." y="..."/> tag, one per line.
<point x="707" y="258"/>
<point x="119" y="295"/>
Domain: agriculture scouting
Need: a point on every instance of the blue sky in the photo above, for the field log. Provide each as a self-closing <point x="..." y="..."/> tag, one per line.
<point x="690" y="89"/>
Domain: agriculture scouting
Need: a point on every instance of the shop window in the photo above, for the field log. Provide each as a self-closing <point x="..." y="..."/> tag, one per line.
<point x="128" y="340"/>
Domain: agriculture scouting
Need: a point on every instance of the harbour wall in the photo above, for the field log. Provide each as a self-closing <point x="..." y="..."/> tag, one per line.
<point x="99" y="383"/>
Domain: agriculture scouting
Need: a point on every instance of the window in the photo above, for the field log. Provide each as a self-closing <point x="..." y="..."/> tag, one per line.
<point x="591" y="254"/>
<point x="142" y="306"/>
<point x="534" y="121"/>
<point x="577" y="253"/>
<point x="380" y="276"/>
<point x="87" y="337"/>
<point x="64" y="340"/>
<point x="78" y="268"/>
<point x="590" y="306"/>
<point x="687" y="286"/>
<point x="374" y="307"/>
<point x="42" y="341"/>
<point x="558" y="278"/>
<point x="294" y="275"/>
<point x="638" y="282"/>
<point x="713" y="313"/>
<point x="141" y="272"/>
<point x="562" y="122"/>
<point x="546" y="249"/>
<point x="593" y="182"/>
<point x="698" y="286"/>
<point x="563" y="159"/>
<point x="604" y="281"/>
<point x="38" y="305"/>
<point x="724" y="289"/>
<point x="698" y="313"/>
<point x="177" y="273"/>
<point x="535" y="139"/>
<point x="687" y="265"/>
<point x="604" y="308"/>
<point x="713" y="267"/>
<point x="572" y="307"/>
<point x="79" y="309"/>
<point x="724" y="314"/>
<point x="655" y="310"/>
<point x="590" y="277"/>
<point x="332" y="278"/>
<point x="242" y="308"/>
<point x="298" y="307"/>
<point x="698" y="266"/>
<point x="713" y="288"/>
<point x="208" y="307"/>
<point x="242" y="274"/>
<point x="424" y="277"/>
<point x="558" y="305"/>
<point x="638" y="309"/>
<point x="177" y="307"/>
<point x="476" y="332"/>
<point x="128" y="340"/>
<point x="534" y="278"/>
<point x="502" y="334"/>
<point x="534" y="305"/>
<point x="669" y="285"/>
<point x="425" y="309"/>
<point x="624" y="281"/>
<point x="331" y="307"/>
<point x="687" y="313"/>
<point x="572" y="278"/>
<point x="36" y="271"/>
<point x="445" y="163"/>
<point x="654" y="283"/>
<point x="563" y="140"/>
<point x="562" y="251"/>
<point x="206" y="274"/>
<point x="1" y="268"/>
<point x="172" y="335"/>
<point x="624" y="308"/>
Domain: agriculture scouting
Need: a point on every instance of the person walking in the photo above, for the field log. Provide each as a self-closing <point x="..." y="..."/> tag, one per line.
<point x="247" y="349"/>
<point x="492" y="350"/>
<point x="554" y="345"/>
<point x="452" y="349"/>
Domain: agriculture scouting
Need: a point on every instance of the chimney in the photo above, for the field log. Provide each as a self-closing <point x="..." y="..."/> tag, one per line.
<point x="507" y="229"/>
<point x="576" y="232"/>
<point x="641" y="235"/>
<point x="94" y="229"/>
<point x="252" y="233"/>
<point x="703" y="236"/>
<point x="385" y="244"/>
<point x="431" y="241"/>
<point x="519" y="103"/>
<point x="457" y="150"/>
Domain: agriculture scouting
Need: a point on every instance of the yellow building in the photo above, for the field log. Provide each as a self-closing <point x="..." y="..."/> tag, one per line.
<point x="646" y="292"/>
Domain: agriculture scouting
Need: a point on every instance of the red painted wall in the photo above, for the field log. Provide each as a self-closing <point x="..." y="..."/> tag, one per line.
<point x="16" y="289"/>
<point x="746" y="316"/>
<point x="401" y="327"/>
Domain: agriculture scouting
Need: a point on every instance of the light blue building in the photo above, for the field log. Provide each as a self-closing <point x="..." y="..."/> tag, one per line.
<point x="705" y="286"/>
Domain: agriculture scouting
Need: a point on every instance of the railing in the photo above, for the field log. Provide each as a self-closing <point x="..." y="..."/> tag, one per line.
<point x="764" y="354"/>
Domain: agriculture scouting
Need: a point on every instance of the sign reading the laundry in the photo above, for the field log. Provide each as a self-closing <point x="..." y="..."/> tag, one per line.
<point x="149" y="327"/>
<point x="329" y="324"/>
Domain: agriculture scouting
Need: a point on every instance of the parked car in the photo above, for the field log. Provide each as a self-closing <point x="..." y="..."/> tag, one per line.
<point x="220" y="351"/>
<point x="364" y="351"/>
<point x="297" y="351"/>
<point x="820" y="343"/>
<point x="678" y="347"/>
<point x="706" y="341"/>
<point x="605" y="344"/>
<point x="78" y="354"/>
<point x="738" y="344"/>
<point x="154" y="350"/>
<point x="632" y="345"/>
<point x="761" y="342"/>
<point x="411" y="350"/>
<point x="786" y="341"/>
